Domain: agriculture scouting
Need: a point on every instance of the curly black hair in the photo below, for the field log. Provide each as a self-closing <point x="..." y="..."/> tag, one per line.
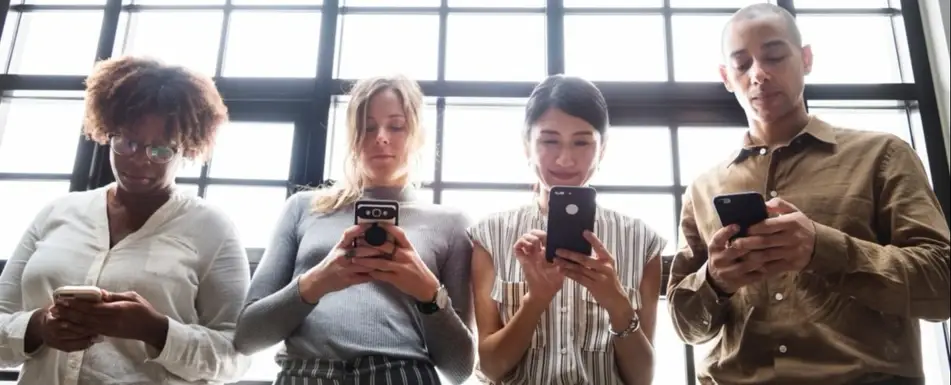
<point x="121" y="91"/>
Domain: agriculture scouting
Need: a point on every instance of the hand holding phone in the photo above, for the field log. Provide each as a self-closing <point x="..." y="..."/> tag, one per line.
<point x="729" y="269"/>
<point x="571" y="212"/>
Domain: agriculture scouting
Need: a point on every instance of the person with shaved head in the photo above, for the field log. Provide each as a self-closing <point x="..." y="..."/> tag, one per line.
<point x="830" y="289"/>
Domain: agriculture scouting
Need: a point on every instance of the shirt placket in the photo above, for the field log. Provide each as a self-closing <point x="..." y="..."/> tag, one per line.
<point x="774" y="291"/>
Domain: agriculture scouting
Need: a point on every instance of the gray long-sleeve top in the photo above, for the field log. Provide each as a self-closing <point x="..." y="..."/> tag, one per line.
<point x="368" y="319"/>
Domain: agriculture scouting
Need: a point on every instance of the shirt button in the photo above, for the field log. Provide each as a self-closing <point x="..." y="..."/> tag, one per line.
<point x="773" y="193"/>
<point x="705" y="322"/>
<point x="762" y="151"/>
<point x="564" y="351"/>
<point x="779" y="296"/>
<point x="782" y="348"/>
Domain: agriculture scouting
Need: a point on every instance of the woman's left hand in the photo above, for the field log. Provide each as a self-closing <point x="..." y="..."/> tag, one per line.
<point x="597" y="273"/>
<point x="120" y="315"/>
<point x="401" y="266"/>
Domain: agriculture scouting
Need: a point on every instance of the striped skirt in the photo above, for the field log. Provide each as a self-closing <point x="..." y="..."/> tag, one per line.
<point x="369" y="370"/>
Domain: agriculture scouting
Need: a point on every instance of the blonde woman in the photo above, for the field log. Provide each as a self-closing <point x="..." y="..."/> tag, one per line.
<point x="345" y="314"/>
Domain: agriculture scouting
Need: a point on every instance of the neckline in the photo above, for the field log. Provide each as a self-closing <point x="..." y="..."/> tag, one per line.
<point x="394" y="193"/>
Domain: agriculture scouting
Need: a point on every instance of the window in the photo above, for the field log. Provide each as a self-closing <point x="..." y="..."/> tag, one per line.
<point x="845" y="4"/>
<point x="838" y="59"/>
<point x="371" y="44"/>
<point x="22" y="201"/>
<point x="702" y="148"/>
<point x="476" y="127"/>
<point x="193" y="42"/>
<point x="636" y="156"/>
<point x="639" y="59"/>
<point x="613" y="3"/>
<point x="478" y="204"/>
<point x="697" y="47"/>
<point x="400" y="3"/>
<point x="337" y="141"/>
<point x="41" y="48"/>
<point x="512" y="49"/>
<point x="656" y="210"/>
<point x="255" y="210"/>
<point x="932" y="343"/>
<point x="670" y="364"/>
<point x="272" y="44"/>
<point x="276" y="2"/>
<point x="39" y="134"/>
<point x="497" y="3"/>
<point x="890" y="117"/>
<point x="253" y="150"/>
<point x="729" y="4"/>
<point x="263" y="367"/>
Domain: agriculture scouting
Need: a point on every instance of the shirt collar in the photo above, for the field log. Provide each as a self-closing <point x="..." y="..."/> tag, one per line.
<point x="816" y="129"/>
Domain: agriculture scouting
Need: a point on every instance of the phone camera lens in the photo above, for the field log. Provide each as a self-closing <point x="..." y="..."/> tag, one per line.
<point x="726" y="200"/>
<point x="375" y="213"/>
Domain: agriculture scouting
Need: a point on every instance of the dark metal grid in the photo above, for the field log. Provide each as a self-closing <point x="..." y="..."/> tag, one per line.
<point x="665" y="101"/>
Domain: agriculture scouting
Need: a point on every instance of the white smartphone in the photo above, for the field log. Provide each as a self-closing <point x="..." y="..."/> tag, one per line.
<point x="85" y="293"/>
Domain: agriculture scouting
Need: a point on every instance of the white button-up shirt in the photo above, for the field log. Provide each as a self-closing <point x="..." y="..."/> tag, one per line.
<point x="186" y="261"/>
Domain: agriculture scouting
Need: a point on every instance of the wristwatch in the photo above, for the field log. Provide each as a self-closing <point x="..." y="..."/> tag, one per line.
<point x="440" y="301"/>
<point x="631" y="328"/>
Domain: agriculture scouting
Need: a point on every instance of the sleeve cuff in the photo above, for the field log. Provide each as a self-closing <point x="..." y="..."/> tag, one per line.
<point x="16" y="330"/>
<point x="830" y="252"/>
<point x="291" y="301"/>
<point x="704" y="288"/>
<point x="176" y="341"/>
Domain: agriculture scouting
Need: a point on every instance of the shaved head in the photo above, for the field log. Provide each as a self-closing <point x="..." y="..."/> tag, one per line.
<point x="759" y="12"/>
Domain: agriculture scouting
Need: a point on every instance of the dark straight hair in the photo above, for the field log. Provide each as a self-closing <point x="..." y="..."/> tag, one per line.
<point x="572" y="95"/>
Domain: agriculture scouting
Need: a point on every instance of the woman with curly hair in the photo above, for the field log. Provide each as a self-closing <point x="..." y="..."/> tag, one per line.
<point x="170" y="271"/>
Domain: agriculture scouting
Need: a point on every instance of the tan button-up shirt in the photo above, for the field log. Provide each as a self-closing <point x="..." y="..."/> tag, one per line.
<point x="881" y="263"/>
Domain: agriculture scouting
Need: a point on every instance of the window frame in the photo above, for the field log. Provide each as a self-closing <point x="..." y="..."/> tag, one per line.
<point x="307" y="102"/>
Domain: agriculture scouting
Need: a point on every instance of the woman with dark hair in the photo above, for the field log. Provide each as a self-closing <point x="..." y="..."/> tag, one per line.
<point x="169" y="271"/>
<point x="535" y="326"/>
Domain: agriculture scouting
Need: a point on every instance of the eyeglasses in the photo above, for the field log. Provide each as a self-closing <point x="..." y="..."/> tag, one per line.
<point x="156" y="154"/>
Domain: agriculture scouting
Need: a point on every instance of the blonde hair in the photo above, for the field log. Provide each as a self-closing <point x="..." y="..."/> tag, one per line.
<point x="350" y="188"/>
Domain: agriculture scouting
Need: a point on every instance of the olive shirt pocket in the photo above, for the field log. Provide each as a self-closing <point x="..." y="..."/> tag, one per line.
<point x="509" y="296"/>
<point x="596" y="323"/>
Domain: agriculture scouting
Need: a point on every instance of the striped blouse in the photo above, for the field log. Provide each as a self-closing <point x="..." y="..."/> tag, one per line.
<point x="571" y="344"/>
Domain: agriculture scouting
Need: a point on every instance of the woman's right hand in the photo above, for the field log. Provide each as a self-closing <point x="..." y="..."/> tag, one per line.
<point x="337" y="270"/>
<point x="544" y="279"/>
<point x="57" y="333"/>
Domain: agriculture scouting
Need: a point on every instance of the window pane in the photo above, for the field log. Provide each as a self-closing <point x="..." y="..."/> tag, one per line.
<point x="640" y="59"/>
<point x="512" y="49"/>
<point x="918" y="136"/>
<point x="893" y="121"/>
<point x="656" y="210"/>
<point x="188" y="188"/>
<point x="714" y="4"/>
<point x="389" y="3"/>
<point x="471" y="130"/>
<point x="670" y="365"/>
<point x="628" y="153"/>
<point x="272" y="44"/>
<point x="425" y="195"/>
<point x="855" y="4"/>
<point x="702" y="148"/>
<point x="43" y="48"/>
<point x="62" y="2"/>
<point x="497" y="3"/>
<point x="22" y="200"/>
<point x="254" y="210"/>
<point x="371" y="45"/>
<point x="29" y="126"/>
<point x="337" y="141"/>
<point x="253" y="150"/>
<point x="479" y="204"/>
<point x="190" y="170"/>
<point x="263" y="367"/>
<point x="697" y="48"/>
<point x="193" y="43"/>
<point x="932" y="344"/>
<point x="840" y="56"/>
<point x="613" y="3"/>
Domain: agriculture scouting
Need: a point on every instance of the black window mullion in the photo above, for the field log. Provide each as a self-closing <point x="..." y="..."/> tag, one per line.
<point x="555" y="36"/>
<point x="313" y="168"/>
<point x="441" y="101"/>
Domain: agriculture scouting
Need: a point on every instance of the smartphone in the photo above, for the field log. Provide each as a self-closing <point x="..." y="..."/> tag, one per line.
<point x="85" y="293"/>
<point x="570" y="212"/>
<point x="376" y="212"/>
<point x="744" y="209"/>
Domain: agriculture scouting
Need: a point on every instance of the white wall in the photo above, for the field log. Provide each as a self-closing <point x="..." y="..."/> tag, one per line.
<point x="937" y="37"/>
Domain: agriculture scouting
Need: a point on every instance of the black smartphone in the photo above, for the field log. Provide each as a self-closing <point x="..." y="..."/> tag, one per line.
<point x="744" y="209"/>
<point x="570" y="212"/>
<point x="375" y="212"/>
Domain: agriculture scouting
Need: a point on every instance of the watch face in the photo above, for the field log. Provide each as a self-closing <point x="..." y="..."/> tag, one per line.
<point x="442" y="298"/>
